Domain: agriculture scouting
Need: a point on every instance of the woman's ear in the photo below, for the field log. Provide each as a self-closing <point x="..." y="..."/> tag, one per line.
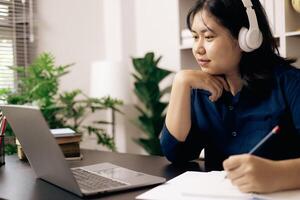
<point x="237" y="45"/>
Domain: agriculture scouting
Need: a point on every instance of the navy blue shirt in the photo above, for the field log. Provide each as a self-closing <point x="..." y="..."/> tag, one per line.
<point x="235" y="124"/>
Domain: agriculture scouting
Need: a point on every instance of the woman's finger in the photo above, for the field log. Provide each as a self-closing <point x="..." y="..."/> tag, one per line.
<point x="236" y="173"/>
<point x="219" y="84"/>
<point x="239" y="182"/>
<point x="223" y="82"/>
<point x="216" y="89"/>
<point x="246" y="188"/>
<point x="213" y="89"/>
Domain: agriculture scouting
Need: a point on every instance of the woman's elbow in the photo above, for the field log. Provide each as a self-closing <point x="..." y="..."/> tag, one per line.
<point x="174" y="155"/>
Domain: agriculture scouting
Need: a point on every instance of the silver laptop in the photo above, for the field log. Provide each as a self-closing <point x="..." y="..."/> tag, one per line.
<point x="49" y="164"/>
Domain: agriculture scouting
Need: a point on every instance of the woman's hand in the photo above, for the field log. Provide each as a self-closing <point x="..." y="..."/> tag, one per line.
<point x="253" y="174"/>
<point x="201" y="80"/>
<point x="178" y="119"/>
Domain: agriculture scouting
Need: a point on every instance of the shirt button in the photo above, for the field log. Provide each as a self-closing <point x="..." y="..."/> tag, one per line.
<point x="230" y="107"/>
<point x="233" y="133"/>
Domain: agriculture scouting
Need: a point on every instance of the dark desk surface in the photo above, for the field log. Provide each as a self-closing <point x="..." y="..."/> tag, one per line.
<point x="17" y="179"/>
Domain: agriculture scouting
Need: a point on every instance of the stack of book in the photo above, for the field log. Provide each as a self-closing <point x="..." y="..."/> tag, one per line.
<point x="68" y="141"/>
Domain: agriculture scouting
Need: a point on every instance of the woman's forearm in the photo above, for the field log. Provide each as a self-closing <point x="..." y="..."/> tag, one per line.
<point x="178" y="119"/>
<point x="290" y="174"/>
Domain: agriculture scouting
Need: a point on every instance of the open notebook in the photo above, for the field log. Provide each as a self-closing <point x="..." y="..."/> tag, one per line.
<point x="208" y="185"/>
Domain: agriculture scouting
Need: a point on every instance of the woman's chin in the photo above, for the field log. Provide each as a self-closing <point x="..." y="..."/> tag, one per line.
<point x="209" y="70"/>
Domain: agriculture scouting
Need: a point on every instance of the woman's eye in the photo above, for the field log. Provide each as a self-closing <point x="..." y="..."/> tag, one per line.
<point x="195" y="37"/>
<point x="209" y="37"/>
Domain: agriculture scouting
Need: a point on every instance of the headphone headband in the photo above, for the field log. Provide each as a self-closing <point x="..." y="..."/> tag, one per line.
<point x="251" y="14"/>
<point x="247" y="3"/>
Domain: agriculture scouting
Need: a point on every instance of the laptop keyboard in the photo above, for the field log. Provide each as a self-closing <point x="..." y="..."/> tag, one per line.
<point x="93" y="182"/>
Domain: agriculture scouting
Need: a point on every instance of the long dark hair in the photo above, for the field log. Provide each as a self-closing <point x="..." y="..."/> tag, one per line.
<point x="256" y="67"/>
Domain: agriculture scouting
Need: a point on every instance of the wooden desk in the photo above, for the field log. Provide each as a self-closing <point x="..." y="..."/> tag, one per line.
<point x="17" y="179"/>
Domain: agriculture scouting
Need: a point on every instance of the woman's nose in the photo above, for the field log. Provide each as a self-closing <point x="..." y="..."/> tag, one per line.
<point x="199" y="48"/>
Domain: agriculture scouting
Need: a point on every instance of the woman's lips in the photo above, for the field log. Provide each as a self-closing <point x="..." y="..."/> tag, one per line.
<point x="203" y="62"/>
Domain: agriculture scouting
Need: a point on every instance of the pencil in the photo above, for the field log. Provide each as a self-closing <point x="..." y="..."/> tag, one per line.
<point x="3" y="127"/>
<point x="274" y="131"/>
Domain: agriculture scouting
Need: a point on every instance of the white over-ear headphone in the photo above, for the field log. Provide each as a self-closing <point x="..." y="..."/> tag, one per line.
<point x="250" y="39"/>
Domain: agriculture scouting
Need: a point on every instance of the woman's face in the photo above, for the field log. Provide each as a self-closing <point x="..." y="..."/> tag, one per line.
<point x="215" y="49"/>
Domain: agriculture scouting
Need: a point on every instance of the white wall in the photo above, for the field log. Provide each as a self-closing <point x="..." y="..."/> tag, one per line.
<point x="88" y="32"/>
<point x="157" y="30"/>
<point x="72" y="30"/>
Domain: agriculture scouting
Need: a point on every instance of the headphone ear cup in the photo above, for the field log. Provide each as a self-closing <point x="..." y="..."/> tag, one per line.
<point x="243" y="40"/>
<point x="254" y="39"/>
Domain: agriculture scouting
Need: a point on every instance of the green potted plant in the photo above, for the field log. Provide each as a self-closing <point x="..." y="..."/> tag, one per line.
<point x="73" y="111"/>
<point x="147" y="77"/>
<point x="38" y="85"/>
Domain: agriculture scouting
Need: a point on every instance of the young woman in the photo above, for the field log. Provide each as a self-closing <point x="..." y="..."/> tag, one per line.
<point x="234" y="99"/>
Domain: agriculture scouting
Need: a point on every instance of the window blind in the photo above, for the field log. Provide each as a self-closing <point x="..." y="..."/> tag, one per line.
<point x="16" y="38"/>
